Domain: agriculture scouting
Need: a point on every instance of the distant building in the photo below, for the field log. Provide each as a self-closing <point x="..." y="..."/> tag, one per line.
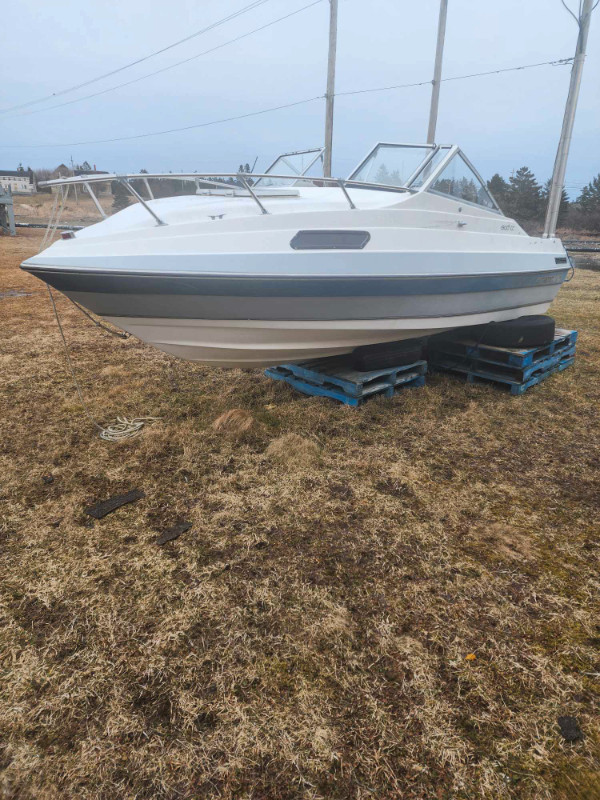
<point x="62" y="171"/>
<point x="19" y="181"/>
<point x="91" y="171"/>
<point x="85" y="169"/>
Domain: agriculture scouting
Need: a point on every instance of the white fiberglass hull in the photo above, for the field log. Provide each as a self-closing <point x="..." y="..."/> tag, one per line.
<point x="236" y="343"/>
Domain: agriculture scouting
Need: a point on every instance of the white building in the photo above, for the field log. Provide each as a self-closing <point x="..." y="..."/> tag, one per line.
<point x="19" y="181"/>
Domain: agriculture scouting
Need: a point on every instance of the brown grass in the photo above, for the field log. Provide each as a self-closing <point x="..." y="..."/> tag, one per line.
<point x="293" y="451"/>
<point x="234" y="422"/>
<point x="306" y="638"/>
<point x="78" y="210"/>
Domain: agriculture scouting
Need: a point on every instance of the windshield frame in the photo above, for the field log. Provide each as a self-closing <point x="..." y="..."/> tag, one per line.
<point x="432" y="147"/>
<point x="455" y="151"/>
<point x="451" y="152"/>
<point x="295" y="178"/>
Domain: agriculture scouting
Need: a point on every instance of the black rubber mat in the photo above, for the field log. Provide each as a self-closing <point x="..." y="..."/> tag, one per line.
<point x="173" y="533"/>
<point x="107" y="506"/>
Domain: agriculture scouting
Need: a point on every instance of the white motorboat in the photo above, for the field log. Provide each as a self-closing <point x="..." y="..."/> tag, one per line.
<point x="277" y="269"/>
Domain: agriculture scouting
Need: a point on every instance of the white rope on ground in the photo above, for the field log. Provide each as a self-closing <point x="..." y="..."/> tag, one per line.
<point x="122" y="428"/>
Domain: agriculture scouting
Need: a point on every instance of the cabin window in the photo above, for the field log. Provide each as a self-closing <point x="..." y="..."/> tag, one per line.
<point x="458" y="180"/>
<point x="330" y="240"/>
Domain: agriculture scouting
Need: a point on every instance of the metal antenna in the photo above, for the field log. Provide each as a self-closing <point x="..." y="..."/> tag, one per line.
<point x="330" y="94"/>
<point x="562" y="153"/>
<point x="437" y="72"/>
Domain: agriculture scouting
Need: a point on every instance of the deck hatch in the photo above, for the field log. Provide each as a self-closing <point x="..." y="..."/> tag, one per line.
<point x="330" y="240"/>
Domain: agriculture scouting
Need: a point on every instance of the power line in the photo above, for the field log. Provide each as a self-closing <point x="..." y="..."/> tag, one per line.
<point x="170" y="66"/>
<point x="175" y="130"/>
<point x="559" y="62"/>
<point x="210" y="27"/>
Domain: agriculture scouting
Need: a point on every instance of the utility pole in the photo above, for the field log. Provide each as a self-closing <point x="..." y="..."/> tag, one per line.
<point x="562" y="154"/>
<point x="330" y="94"/>
<point x="74" y="185"/>
<point x="437" y="72"/>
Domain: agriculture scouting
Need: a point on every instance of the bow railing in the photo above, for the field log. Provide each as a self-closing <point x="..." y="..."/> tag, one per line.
<point x="243" y="187"/>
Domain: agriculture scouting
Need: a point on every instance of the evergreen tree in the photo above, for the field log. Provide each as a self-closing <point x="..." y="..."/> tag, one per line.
<point x="382" y="175"/>
<point x="120" y="196"/>
<point x="499" y="188"/>
<point x="524" y="198"/>
<point x="589" y="199"/>
<point x="467" y="190"/>
<point x="563" y="208"/>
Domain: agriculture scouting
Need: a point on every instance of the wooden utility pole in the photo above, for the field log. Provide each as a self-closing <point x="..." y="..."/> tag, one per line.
<point x="437" y="72"/>
<point x="330" y="94"/>
<point x="562" y="154"/>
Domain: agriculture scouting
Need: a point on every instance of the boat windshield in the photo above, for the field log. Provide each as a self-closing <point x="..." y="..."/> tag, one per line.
<point x="459" y="180"/>
<point x="302" y="162"/>
<point x="398" y="164"/>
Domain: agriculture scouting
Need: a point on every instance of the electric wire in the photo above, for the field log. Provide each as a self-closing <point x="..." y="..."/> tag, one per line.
<point x="556" y="62"/>
<point x="176" y="130"/>
<point x="168" y="67"/>
<point x="208" y="28"/>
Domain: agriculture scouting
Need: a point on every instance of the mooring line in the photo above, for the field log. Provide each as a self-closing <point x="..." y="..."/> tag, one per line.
<point x="122" y="428"/>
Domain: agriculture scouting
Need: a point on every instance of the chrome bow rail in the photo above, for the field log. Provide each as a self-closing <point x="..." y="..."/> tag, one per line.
<point x="243" y="188"/>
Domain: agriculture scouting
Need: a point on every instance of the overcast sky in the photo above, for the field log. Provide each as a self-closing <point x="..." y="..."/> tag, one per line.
<point x="502" y="121"/>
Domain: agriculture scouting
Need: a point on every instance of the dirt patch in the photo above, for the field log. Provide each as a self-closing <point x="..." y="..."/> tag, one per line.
<point x="503" y="541"/>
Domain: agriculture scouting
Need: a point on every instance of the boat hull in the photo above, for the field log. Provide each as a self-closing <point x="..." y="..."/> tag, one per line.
<point x="264" y="343"/>
<point x="233" y="322"/>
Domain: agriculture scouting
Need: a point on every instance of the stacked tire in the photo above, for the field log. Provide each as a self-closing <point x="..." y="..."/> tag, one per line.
<point x="389" y="354"/>
<point x="534" y="330"/>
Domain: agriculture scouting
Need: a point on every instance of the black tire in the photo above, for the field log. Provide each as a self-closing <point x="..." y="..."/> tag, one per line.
<point x="533" y="331"/>
<point x="385" y="355"/>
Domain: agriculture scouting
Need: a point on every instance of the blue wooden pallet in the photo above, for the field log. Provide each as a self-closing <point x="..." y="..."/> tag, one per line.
<point x="335" y="378"/>
<point x="515" y="357"/>
<point x="506" y="371"/>
<point x="488" y="373"/>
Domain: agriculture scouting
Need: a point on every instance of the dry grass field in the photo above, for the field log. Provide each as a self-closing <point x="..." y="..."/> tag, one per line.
<point x="78" y="210"/>
<point x="395" y="602"/>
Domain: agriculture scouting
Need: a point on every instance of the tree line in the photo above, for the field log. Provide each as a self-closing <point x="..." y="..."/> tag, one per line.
<point x="524" y="199"/>
<point x="520" y="197"/>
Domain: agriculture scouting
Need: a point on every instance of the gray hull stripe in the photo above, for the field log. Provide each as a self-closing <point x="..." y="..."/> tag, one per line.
<point x="330" y="286"/>
<point x="179" y="307"/>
